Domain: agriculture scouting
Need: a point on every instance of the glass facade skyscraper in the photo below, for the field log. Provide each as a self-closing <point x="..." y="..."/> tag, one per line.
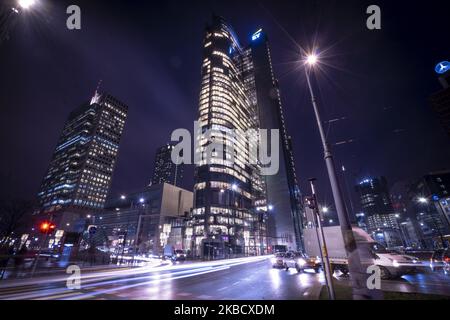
<point x="233" y="212"/>
<point x="81" y="169"/>
<point x="165" y="169"/>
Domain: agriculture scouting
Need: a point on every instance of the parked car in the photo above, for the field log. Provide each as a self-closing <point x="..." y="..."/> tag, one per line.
<point x="301" y="261"/>
<point x="440" y="260"/>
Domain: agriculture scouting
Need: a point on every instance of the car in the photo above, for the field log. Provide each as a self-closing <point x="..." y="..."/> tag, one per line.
<point x="278" y="260"/>
<point x="440" y="260"/>
<point x="179" y="255"/>
<point x="301" y="261"/>
<point x="392" y="264"/>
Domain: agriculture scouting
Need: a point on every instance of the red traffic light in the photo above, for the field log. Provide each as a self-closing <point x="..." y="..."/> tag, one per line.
<point x="47" y="227"/>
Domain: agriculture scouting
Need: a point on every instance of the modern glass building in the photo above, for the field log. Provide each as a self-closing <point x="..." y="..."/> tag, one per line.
<point x="283" y="194"/>
<point x="81" y="169"/>
<point x="165" y="169"/>
<point x="232" y="213"/>
<point x="382" y="222"/>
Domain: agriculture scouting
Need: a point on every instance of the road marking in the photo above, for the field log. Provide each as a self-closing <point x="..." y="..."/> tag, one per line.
<point x="184" y="294"/>
<point x="224" y="288"/>
<point x="65" y="295"/>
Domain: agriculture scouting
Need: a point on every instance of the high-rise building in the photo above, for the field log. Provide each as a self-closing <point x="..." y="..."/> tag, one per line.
<point x="233" y="201"/>
<point x="430" y="202"/>
<point x="283" y="193"/>
<point x="376" y="205"/>
<point x="165" y="169"/>
<point x="440" y="101"/>
<point x="80" y="172"/>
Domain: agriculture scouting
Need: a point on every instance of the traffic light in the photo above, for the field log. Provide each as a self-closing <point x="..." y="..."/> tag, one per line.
<point x="46" y="227"/>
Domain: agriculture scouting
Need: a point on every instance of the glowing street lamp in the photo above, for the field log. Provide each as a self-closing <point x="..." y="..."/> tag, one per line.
<point x="311" y="59"/>
<point x="354" y="259"/>
<point x="423" y="200"/>
<point x="324" y="209"/>
<point x="26" y="4"/>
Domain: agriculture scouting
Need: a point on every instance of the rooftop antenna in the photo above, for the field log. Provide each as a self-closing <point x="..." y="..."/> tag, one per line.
<point x="96" y="96"/>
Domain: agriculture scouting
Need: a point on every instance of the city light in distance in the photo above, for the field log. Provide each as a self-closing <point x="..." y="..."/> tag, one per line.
<point x="123" y="197"/>
<point x="270" y="207"/>
<point x="324" y="209"/>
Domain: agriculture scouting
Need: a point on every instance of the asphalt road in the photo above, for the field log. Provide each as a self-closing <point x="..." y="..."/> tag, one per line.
<point x="241" y="279"/>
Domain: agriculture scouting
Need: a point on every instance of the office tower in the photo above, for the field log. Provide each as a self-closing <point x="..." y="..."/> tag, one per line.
<point x="380" y="217"/>
<point x="283" y="192"/>
<point x="231" y="207"/>
<point x="440" y="101"/>
<point x="165" y="169"/>
<point x="430" y="202"/>
<point x="81" y="169"/>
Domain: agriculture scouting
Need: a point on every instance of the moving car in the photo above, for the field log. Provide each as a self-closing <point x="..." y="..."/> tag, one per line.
<point x="392" y="264"/>
<point x="179" y="255"/>
<point x="278" y="260"/>
<point x="301" y="261"/>
<point x="440" y="260"/>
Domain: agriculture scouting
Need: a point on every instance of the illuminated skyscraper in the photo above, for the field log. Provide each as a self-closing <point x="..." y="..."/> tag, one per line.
<point x="231" y="211"/>
<point x="165" y="169"/>
<point x="81" y="169"/>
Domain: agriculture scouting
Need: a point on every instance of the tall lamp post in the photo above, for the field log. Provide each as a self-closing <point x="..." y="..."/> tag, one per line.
<point x="358" y="277"/>
<point x="9" y="12"/>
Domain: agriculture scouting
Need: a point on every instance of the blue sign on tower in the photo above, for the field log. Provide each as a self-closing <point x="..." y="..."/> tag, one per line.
<point x="442" y="67"/>
<point x="256" y="35"/>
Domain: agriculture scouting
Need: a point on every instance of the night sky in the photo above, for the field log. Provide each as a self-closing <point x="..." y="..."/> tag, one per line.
<point x="148" y="54"/>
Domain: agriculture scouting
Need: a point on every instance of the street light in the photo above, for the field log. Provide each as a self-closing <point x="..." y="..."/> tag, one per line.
<point x="26" y="4"/>
<point x="324" y="209"/>
<point x="358" y="277"/>
<point x="423" y="200"/>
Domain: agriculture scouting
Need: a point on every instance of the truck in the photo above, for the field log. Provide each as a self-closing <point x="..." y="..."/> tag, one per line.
<point x="391" y="263"/>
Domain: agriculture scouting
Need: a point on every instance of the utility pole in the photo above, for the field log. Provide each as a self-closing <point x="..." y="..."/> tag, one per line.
<point x="322" y="242"/>
<point x="357" y="275"/>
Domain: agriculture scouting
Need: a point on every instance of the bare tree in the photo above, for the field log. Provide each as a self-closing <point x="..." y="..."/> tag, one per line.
<point x="12" y="217"/>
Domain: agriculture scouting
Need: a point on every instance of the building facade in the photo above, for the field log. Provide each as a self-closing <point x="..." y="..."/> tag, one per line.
<point x="233" y="212"/>
<point x="381" y="221"/>
<point x="81" y="170"/>
<point x="430" y="198"/>
<point x="440" y="101"/>
<point x="165" y="169"/>
<point x="283" y="194"/>
<point x="147" y="220"/>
